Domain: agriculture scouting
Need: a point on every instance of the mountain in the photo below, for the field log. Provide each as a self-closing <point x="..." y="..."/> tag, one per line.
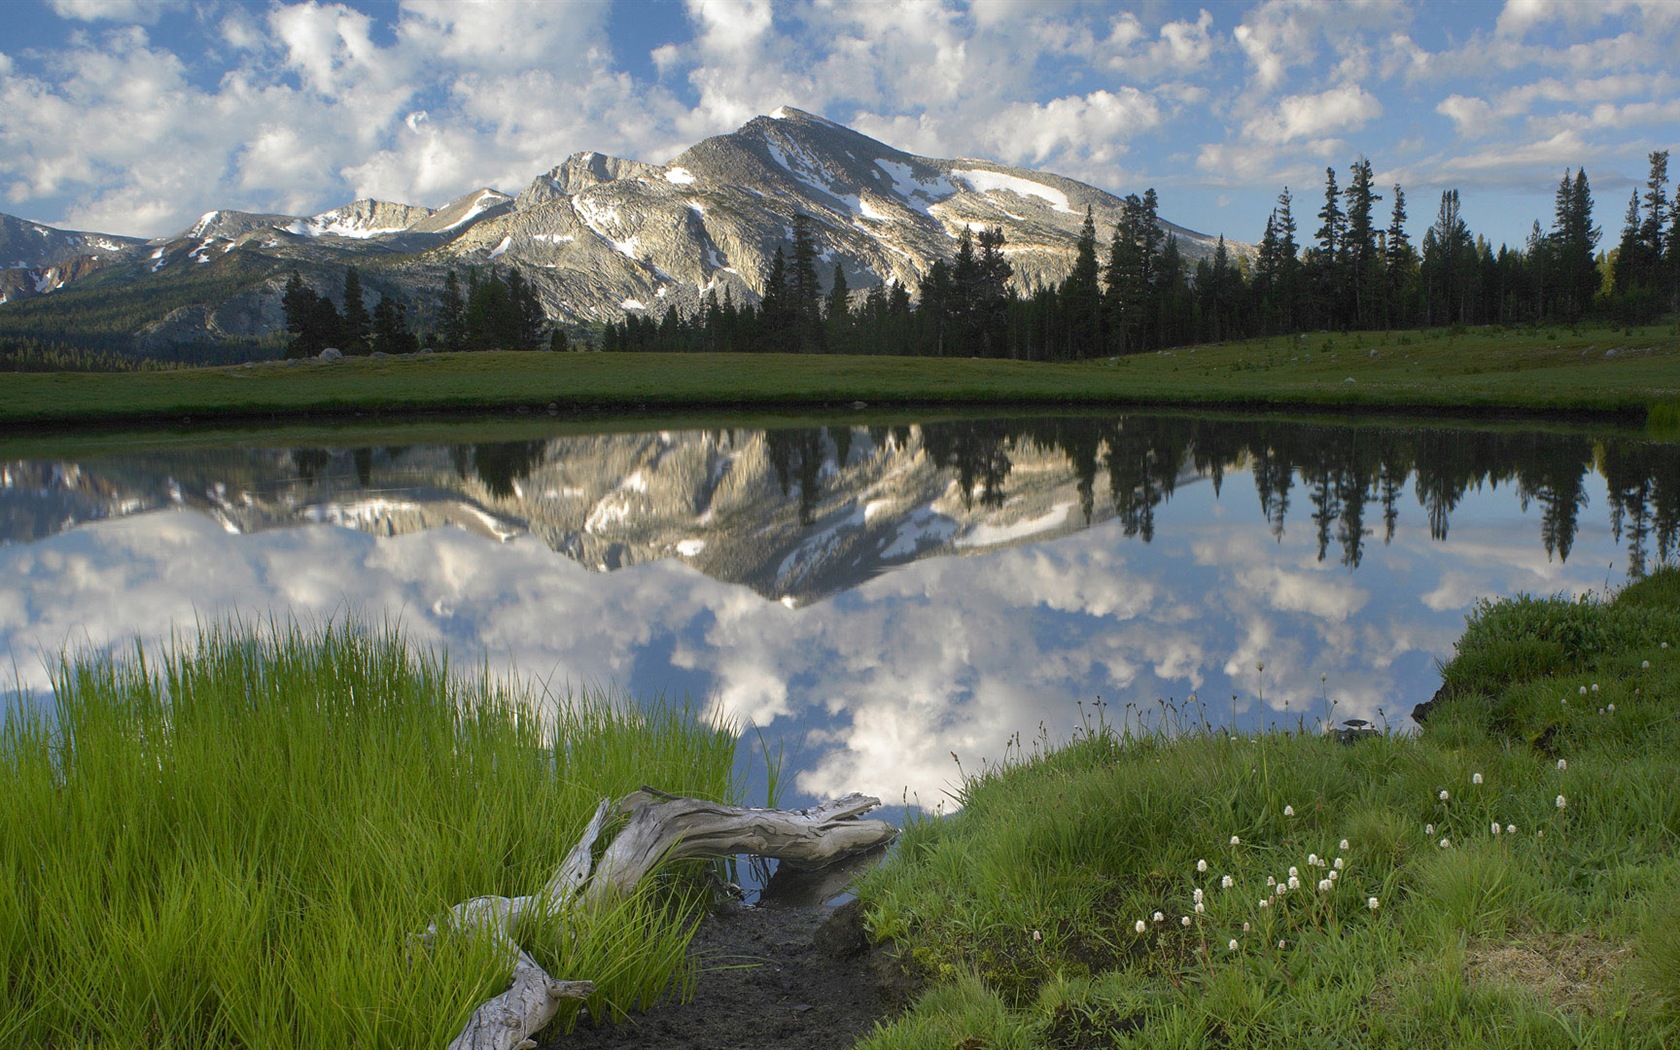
<point x="36" y="259"/>
<point x="599" y="236"/>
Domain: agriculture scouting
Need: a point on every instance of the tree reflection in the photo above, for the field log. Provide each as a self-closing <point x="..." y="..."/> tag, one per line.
<point x="1352" y="474"/>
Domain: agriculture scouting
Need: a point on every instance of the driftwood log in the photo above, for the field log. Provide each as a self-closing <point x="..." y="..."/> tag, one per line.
<point x="662" y="828"/>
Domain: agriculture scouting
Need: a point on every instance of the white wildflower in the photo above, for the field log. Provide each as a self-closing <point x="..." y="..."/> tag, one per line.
<point x="1562" y="803"/>
<point x="1445" y="843"/>
<point x="1372" y="903"/>
<point x="1159" y="917"/>
<point x="1201" y="865"/>
<point x="1496" y="828"/>
<point x="1201" y="908"/>
<point x="1294" y="871"/>
<point x="1443" y="796"/>
<point x="1231" y="945"/>
<point x="1227" y="882"/>
<point x="1342" y="845"/>
<point x="1337" y="864"/>
<point x="1289" y="811"/>
<point x="1140" y="926"/>
<point x="1429" y="829"/>
<point x="1475" y="778"/>
<point x="1184" y="921"/>
<point x="1197" y="896"/>
<point x="1510" y="829"/>
<point x="1563" y="764"/>
<point x="1582" y="691"/>
<point x="1235" y="841"/>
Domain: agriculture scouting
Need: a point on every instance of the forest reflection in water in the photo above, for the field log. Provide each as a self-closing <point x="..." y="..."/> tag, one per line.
<point x="808" y="579"/>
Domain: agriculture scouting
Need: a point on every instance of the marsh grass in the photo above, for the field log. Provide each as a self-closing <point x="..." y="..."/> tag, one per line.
<point x="1592" y="368"/>
<point x="230" y="843"/>
<point x="1066" y="887"/>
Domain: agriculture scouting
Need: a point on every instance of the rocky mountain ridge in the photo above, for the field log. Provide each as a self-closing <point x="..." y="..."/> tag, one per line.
<point x="600" y="236"/>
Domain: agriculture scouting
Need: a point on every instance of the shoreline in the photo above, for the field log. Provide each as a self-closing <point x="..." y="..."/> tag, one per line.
<point x="1554" y="374"/>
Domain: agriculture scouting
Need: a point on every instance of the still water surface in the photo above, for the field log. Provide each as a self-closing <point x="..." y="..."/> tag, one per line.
<point x="875" y="597"/>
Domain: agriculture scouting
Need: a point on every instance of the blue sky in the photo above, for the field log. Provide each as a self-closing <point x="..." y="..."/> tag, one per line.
<point x="136" y="116"/>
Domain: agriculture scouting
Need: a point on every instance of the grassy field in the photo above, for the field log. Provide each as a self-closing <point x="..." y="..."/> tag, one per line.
<point x="1507" y="878"/>
<point x="1552" y="370"/>
<point x="231" y="845"/>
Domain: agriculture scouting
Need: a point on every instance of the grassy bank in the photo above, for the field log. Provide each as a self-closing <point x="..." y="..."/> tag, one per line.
<point x="231" y="845"/>
<point x="1508" y="877"/>
<point x="1550" y="370"/>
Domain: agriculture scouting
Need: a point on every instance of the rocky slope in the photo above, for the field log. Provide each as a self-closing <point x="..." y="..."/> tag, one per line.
<point x="36" y="259"/>
<point x="600" y="236"/>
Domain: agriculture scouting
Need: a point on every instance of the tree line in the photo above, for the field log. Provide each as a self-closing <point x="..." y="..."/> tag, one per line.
<point x="489" y="312"/>
<point x="1139" y="293"/>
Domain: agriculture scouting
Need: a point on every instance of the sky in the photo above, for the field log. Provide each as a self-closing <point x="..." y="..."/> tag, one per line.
<point x="137" y="116"/>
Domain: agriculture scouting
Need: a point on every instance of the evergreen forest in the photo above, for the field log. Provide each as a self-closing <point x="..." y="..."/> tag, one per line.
<point x="1360" y="269"/>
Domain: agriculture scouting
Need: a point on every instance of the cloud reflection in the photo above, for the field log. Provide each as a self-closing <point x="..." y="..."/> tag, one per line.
<point x="873" y="688"/>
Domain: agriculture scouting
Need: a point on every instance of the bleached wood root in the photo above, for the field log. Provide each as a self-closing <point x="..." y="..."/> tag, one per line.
<point x="662" y="828"/>
<point x="667" y="828"/>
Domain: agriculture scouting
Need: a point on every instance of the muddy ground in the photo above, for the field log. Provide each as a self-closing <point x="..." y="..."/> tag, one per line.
<point x="793" y="976"/>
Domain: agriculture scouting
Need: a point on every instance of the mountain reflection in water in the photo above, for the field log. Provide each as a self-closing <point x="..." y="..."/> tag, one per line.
<point x="802" y="578"/>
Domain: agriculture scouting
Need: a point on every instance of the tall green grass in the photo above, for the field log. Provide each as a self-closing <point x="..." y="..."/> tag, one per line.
<point x="1067" y="887"/>
<point x="230" y="844"/>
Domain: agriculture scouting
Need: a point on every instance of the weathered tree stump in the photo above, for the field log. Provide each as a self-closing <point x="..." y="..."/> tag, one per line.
<point x="662" y="828"/>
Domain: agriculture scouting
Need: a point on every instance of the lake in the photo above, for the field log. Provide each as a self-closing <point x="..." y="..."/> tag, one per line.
<point x="876" y="595"/>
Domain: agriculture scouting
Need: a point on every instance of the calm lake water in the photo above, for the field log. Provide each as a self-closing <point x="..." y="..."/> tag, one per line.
<point x="874" y="596"/>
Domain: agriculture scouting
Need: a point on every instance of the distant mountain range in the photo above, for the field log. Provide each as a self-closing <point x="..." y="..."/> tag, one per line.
<point x="597" y="236"/>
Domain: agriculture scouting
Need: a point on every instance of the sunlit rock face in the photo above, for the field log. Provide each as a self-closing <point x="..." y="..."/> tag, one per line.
<point x="600" y="237"/>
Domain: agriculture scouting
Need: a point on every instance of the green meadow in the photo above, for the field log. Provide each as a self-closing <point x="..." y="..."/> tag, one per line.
<point x="233" y="843"/>
<point x="1628" y="371"/>
<point x="1506" y="877"/>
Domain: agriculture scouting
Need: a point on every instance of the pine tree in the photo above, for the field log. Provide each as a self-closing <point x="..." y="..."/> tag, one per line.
<point x="994" y="293"/>
<point x="1081" y="298"/>
<point x="526" y="322"/>
<point x="452" y="314"/>
<point x="1571" y="246"/>
<point x="1289" y="265"/>
<point x="1399" y="264"/>
<point x="390" y="333"/>
<point x="775" y="313"/>
<point x="1361" y="265"/>
<point x="803" y="291"/>
<point x="356" y="322"/>
<point x="1324" y="260"/>
<point x="312" y="319"/>
<point x="838" y="315"/>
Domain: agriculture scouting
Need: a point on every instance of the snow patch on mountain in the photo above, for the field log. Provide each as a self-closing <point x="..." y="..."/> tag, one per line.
<point x="680" y="177"/>
<point x="983" y="181"/>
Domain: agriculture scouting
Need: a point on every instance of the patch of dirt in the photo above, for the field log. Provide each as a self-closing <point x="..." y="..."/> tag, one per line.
<point x="789" y="976"/>
<point x="1568" y="972"/>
